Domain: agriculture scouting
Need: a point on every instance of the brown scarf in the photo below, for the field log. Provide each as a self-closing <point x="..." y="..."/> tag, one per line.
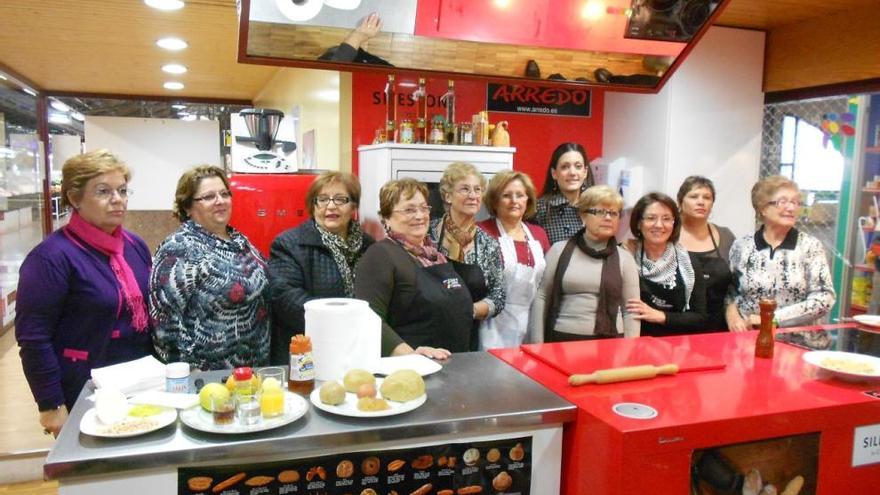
<point x="457" y="239"/>
<point x="610" y="287"/>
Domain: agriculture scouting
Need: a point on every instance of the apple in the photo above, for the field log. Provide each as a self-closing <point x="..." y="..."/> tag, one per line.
<point x="213" y="393"/>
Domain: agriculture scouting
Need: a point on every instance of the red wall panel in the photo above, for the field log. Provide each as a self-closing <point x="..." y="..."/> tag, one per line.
<point x="533" y="136"/>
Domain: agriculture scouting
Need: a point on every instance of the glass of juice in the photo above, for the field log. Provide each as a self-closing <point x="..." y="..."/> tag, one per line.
<point x="272" y="391"/>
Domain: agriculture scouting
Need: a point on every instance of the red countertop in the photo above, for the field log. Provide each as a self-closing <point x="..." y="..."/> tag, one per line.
<point x="748" y="399"/>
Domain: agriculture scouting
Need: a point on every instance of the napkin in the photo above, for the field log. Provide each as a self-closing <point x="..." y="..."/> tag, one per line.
<point x="132" y="376"/>
<point x="166" y="399"/>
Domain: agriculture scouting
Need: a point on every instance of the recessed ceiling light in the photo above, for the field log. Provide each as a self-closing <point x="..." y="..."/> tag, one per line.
<point x="178" y="106"/>
<point x="173" y="44"/>
<point x="173" y="85"/>
<point x="165" y="4"/>
<point x="2" y="77"/>
<point x="59" y="118"/>
<point x="29" y="91"/>
<point x="59" y="105"/>
<point x="174" y="69"/>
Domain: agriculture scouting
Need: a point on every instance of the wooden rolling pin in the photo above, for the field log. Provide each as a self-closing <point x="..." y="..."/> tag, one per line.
<point x="624" y="374"/>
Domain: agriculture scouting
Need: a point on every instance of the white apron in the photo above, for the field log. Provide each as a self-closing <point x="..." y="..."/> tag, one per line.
<point x="508" y="328"/>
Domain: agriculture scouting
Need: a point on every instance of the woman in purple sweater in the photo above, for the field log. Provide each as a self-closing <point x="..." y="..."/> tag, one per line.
<point x="81" y="291"/>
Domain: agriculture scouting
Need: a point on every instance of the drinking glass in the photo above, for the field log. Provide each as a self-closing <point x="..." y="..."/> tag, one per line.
<point x="271" y="391"/>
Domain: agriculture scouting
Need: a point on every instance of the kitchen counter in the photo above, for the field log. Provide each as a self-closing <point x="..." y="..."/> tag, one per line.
<point x="474" y="395"/>
<point x="736" y="400"/>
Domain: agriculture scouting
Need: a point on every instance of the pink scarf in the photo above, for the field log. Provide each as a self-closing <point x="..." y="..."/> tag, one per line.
<point x="113" y="246"/>
<point x="426" y="254"/>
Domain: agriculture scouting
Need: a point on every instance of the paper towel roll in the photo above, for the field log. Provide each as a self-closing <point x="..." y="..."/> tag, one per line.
<point x="345" y="334"/>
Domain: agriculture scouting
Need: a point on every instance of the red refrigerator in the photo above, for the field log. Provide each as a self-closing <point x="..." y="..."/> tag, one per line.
<point x="264" y="205"/>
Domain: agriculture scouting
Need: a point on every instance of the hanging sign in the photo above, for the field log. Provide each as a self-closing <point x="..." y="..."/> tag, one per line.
<point x="537" y="100"/>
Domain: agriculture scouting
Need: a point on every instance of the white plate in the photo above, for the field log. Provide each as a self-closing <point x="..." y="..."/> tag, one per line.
<point x="91" y="425"/>
<point x="870" y="320"/>
<point x="420" y="364"/>
<point x="349" y="407"/>
<point x="821" y="359"/>
<point x="295" y="407"/>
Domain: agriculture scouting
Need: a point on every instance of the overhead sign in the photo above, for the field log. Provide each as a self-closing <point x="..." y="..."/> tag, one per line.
<point x="537" y="100"/>
<point x="866" y="445"/>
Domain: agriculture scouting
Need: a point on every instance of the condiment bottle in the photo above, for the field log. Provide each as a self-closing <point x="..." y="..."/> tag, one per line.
<point x="406" y="132"/>
<point x="302" y="367"/>
<point x="764" y="344"/>
<point x="420" y="95"/>
<point x="247" y="408"/>
<point x="177" y="378"/>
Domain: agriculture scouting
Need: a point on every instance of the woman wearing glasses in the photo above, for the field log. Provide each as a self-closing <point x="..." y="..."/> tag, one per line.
<point x="708" y="245"/>
<point x="424" y="304"/>
<point x="208" y="290"/>
<point x="568" y="175"/>
<point x="474" y="253"/>
<point x="778" y="261"/>
<point x="316" y="259"/>
<point x="673" y="293"/>
<point x="510" y="200"/>
<point x="588" y="278"/>
<point x="81" y="301"/>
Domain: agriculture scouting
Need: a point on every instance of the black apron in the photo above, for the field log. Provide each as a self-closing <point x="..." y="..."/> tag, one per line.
<point x="441" y="313"/>
<point x="663" y="298"/>
<point x="717" y="276"/>
<point x="476" y="283"/>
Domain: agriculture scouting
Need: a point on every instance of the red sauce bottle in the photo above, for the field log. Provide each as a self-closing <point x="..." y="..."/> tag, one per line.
<point x="302" y="368"/>
<point x="764" y="344"/>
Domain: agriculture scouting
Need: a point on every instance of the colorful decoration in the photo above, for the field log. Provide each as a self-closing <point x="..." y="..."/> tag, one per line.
<point x="835" y="126"/>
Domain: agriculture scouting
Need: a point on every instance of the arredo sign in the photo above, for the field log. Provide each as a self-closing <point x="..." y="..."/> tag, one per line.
<point x="537" y="100"/>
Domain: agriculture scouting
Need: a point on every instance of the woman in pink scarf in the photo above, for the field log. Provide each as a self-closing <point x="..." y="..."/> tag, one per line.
<point x="81" y="291"/>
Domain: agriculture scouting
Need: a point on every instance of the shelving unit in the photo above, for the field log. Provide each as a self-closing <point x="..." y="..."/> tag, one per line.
<point x="864" y="292"/>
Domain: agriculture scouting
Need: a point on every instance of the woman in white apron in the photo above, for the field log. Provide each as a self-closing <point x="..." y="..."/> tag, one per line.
<point x="510" y="199"/>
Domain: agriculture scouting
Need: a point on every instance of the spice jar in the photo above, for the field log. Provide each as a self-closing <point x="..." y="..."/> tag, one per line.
<point x="406" y="132"/>
<point x="438" y="133"/>
<point x="177" y="378"/>
<point x="466" y="133"/>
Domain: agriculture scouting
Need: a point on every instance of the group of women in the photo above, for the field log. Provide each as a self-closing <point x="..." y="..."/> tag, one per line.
<point x="91" y="296"/>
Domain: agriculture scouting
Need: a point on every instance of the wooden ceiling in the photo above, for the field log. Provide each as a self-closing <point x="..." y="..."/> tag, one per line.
<point x="108" y="46"/>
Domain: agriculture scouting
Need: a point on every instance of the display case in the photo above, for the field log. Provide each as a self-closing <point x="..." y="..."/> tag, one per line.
<point x="863" y="298"/>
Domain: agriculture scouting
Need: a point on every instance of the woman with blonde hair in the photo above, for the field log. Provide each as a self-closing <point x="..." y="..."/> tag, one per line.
<point x="510" y="200"/>
<point x="81" y="301"/>
<point x="778" y="261"/>
<point x="588" y="279"/>
<point x="208" y="291"/>
<point x="474" y="253"/>
<point x="316" y="259"/>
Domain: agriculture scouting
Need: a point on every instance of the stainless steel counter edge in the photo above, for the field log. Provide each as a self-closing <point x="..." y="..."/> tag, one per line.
<point x="473" y="394"/>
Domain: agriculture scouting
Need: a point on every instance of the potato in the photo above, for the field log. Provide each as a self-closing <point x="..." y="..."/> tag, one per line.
<point x="402" y="386"/>
<point x="332" y="393"/>
<point x="357" y="377"/>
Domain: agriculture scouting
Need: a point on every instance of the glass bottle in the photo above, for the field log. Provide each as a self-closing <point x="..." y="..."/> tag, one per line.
<point x="406" y="132"/>
<point x="390" y="110"/>
<point x="421" y="113"/>
<point x="302" y="368"/>
<point x="764" y="344"/>
<point x="247" y="407"/>
<point x="466" y="133"/>
<point x="449" y="99"/>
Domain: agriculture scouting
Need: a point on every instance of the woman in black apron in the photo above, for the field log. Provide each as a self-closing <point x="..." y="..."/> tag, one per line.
<point x="424" y="303"/>
<point x="475" y="254"/>
<point x="708" y="245"/>
<point x="671" y="286"/>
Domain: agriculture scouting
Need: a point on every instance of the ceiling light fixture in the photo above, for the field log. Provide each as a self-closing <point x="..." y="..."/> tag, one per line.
<point x="59" y="105"/>
<point x="59" y="118"/>
<point x="171" y="43"/>
<point x="299" y="10"/>
<point x="174" y="69"/>
<point x="165" y="4"/>
<point x="178" y="106"/>
<point x="173" y="85"/>
<point x="78" y="116"/>
<point x="502" y="4"/>
<point x="3" y="78"/>
<point x="593" y="10"/>
<point x="29" y="91"/>
<point x="343" y="4"/>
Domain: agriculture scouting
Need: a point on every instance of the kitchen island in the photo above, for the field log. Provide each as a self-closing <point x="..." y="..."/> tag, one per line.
<point x="475" y="399"/>
<point x="726" y="413"/>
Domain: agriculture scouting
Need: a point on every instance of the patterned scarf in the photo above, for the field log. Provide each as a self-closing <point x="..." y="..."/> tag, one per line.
<point x="113" y="245"/>
<point x="458" y="238"/>
<point x="663" y="271"/>
<point x="426" y="254"/>
<point x="345" y="252"/>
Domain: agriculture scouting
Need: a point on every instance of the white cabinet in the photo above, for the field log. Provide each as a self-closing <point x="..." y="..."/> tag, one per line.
<point x="379" y="163"/>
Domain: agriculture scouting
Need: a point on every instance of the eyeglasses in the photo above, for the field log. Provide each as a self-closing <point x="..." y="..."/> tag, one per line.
<point x="467" y="192"/>
<point x="211" y="197"/>
<point x="601" y="212"/>
<point x="783" y="202"/>
<point x="649" y="219"/>
<point x="412" y="211"/>
<point x="323" y="201"/>
<point x="104" y="193"/>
